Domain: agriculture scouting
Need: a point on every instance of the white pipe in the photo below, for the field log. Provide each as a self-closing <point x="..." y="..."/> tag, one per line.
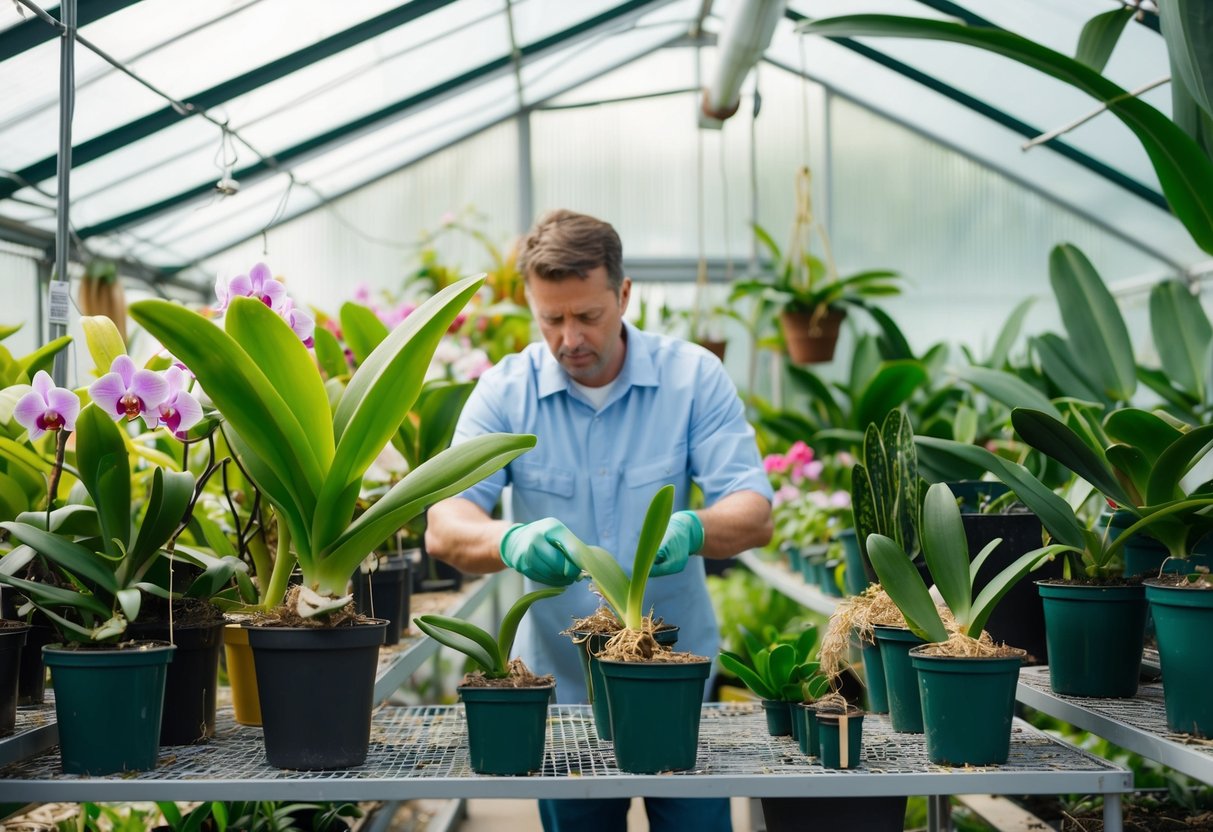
<point x="747" y="33"/>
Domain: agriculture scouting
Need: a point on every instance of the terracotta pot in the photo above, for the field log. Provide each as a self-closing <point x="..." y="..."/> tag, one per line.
<point x="810" y="337"/>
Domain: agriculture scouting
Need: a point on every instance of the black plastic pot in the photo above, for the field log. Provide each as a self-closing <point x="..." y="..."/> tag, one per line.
<point x="191" y="682"/>
<point x="12" y="639"/>
<point x="854" y="814"/>
<point x="1019" y="619"/>
<point x="317" y="688"/>
<point x="384" y="594"/>
<point x="31" y="681"/>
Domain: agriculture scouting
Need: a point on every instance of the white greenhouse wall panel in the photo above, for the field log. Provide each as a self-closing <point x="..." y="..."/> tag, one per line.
<point x="969" y="242"/>
<point x="18" y="279"/>
<point x="370" y="236"/>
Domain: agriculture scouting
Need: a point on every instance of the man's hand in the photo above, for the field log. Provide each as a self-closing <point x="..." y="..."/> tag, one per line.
<point x="683" y="538"/>
<point x="537" y="550"/>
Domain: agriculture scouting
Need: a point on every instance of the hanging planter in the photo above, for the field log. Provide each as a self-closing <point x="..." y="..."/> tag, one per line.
<point x="108" y="704"/>
<point x="811" y="335"/>
<point x="1095" y="636"/>
<point x="1183" y="617"/>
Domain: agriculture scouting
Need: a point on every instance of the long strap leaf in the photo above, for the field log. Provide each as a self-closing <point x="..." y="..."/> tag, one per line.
<point x="74" y="558"/>
<point x="465" y="637"/>
<point x="905" y="586"/>
<point x="509" y="624"/>
<point x="1055" y="439"/>
<point x="656" y="520"/>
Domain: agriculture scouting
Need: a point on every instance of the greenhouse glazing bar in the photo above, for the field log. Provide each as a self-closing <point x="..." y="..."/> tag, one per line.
<point x="33" y="32"/>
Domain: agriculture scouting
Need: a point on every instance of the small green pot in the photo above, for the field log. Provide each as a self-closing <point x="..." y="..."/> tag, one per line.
<point x="829" y="578"/>
<point x="108" y="704"/>
<point x="795" y="559"/>
<point x="873" y="673"/>
<point x="856" y="578"/>
<point x="794" y="721"/>
<point x="1095" y="636"/>
<point x="901" y="679"/>
<point x="589" y="646"/>
<point x="779" y="717"/>
<point x="804" y="714"/>
<point x="507" y="728"/>
<point x="841" y="748"/>
<point x="655" y="709"/>
<point x="1183" y="618"/>
<point x="967" y="707"/>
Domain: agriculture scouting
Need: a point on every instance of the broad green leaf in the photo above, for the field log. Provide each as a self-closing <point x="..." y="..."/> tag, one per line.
<point x="168" y="499"/>
<point x="13" y="499"/>
<point x="379" y="396"/>
<point x="209" y="532"/>
<point x="73" y="520"/>
<point x="288" y="366"/>
<point x="880" y="485"/>
<point x="898" y="439"/>
<point x="946" y="549"/>
<point x="276" y="493"/>
<point x="781" y="665"/>
<point x="509" y="624"/>
<point x="1099" y="37"/>
<point x="964" y="429"/>
<point x="1093" y="321"/>
<point x="76" y="559"/>
<point x="104" y="342"/>
<point x="656" y="521"/>
<point x="105" y="471"/>
<point x="608" y="576"/>
<point x="863" y="508"/>
<point x="1003" y="582"/>
<point x="438" y="408"/>
<point x="1142" y="430"/>
<point x="1007" y="389"/>
<point x="9" y="329"/>
<point x="893" y="343"/>
<point x="1187" y="28"/>
<point x="447" y="474"/>
<point x="45" y="596"/>
<point x="462" y="636"/>
<point x="735" y="665"/>
<point x="1008" y="335"/>
<point x="1059" y="365"/>
<point x="821" y="399"/>
<point x="129" y="600"/>
<point x="1184" y="172"/>
<point x="1183" y="405"/>
<point x="1056" y="440"/>
<point x="1182" y="335"/>
<point x="1132" y="467"/>
<point x="891" y="386"/>
<point x="241" y="392"/>
<point x="1054" y="513"/>
<point x="979" y="561"/>
<point x="905" y="586"/>
<point x="42" y="358"/>
<point x="1175" y="462"/>
<point x="362" y="329"/>
<point x="215" y="578"/>
<point x="329" y="354"/>
<point x="865" y="363"/>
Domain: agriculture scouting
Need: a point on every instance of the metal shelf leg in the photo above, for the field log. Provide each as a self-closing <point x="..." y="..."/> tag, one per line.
<point x="1113" y="820"/>
<point x="939" y="813"/>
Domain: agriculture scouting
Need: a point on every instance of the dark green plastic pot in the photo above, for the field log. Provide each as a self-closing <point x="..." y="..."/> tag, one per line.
<point x="1183" y="619"/>
<point x="901" y="679"/>
<point x="507" y="728"/>
<point x="804" y="714"/>
<point x="856" y="578"/>
<point x="1095" y="638"/>
<point x="795" y="559"/>
<point x="779" y="717"/>
<point x="655" y="710"/>
<point x="108" y="704"/>
<point x="794" y="721"/>
<point x="829" y="578"/>
<point x="967" y="707"/>
<point x="873" y="674"/>
<point x="12" y="642"/>
<point x="589" y="645"/>
<point x="830" y="736"/>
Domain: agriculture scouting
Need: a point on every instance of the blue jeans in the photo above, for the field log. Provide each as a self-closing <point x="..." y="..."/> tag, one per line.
<point x="666" y="814"/>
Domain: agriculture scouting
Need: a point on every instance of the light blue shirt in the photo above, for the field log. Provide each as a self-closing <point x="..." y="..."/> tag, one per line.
<point x="673" y="416"/>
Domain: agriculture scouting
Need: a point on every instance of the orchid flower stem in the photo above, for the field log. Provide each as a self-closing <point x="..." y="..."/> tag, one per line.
<point x="199" y="485"/>
<point x="231" y="504"/>
<point x="56" y="473"/>
<point x="257" y="550"/>
<point x="284" y="561"/>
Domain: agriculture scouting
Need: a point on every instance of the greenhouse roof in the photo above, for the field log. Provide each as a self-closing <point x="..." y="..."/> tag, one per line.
<point x="301" y="101"/>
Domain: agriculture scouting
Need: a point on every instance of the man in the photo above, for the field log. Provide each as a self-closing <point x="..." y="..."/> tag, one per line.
<point x="618" y="414"/>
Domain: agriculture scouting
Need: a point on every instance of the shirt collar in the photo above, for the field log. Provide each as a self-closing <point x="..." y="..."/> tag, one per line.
<point x="638" y="367"/>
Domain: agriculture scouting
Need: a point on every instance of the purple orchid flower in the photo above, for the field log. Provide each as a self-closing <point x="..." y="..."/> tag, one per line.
<point x="47" y="408"/>
<point x="301" y="322"/>
<point x="258" y="283"/>
<point x="128" y="391"/>
<point x="180" y="411"/>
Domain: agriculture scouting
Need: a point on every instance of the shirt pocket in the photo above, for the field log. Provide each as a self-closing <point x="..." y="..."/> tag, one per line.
<point x="531" y="476"/>
<point x="665" y="470"/>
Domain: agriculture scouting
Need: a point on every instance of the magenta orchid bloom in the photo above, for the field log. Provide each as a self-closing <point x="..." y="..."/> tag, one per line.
<point x="775" y="463"/>
<point x="800" y="453"/>
<point x="301" y="322"/>
<point x="128" y="391"/>
<point x="259" y="283"/>
<point x="47" y="408"/>
<point x="180" y="411"/>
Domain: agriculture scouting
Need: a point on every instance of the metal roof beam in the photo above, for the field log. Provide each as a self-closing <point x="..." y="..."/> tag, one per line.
<point x="353" y="129"/>
<point x="1002" y="118"/>
<point x="141" y="128"/>
<point x="33" y="32"/>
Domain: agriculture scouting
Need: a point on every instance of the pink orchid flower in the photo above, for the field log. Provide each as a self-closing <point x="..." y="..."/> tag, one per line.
<point x="179" y="411"/>
<point x="800" y="453"/>
<point x="258" y="283"/>
<point x="128" y="391"/>
<point x="775" y="463"/>
<point x="301" y="322"/>
<point x="47" y="408"/>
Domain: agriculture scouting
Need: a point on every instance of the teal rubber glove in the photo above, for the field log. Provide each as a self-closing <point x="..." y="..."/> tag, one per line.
<point x="683" y="538"/>
<point x="538" y="549"/>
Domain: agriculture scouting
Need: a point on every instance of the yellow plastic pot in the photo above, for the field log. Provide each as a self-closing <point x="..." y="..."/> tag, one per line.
<point x="241" y="675"/>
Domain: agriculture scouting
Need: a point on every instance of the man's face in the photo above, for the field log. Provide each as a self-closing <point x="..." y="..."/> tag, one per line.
<point x="581" y="321"/>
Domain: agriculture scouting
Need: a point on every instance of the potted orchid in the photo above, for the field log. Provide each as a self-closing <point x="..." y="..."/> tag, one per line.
<point x="307" y="456"/>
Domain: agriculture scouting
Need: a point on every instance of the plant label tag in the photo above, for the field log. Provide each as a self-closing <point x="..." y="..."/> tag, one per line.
<point x="844" y="738"/>
<point x="60" y="302"/>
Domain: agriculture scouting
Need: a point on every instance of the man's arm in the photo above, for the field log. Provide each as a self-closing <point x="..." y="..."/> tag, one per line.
<point x="739" y="521"/>
<point x="461" y="533"/>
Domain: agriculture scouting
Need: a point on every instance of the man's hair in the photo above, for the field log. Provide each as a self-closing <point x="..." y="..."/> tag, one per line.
<point x="564" y="243"/>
